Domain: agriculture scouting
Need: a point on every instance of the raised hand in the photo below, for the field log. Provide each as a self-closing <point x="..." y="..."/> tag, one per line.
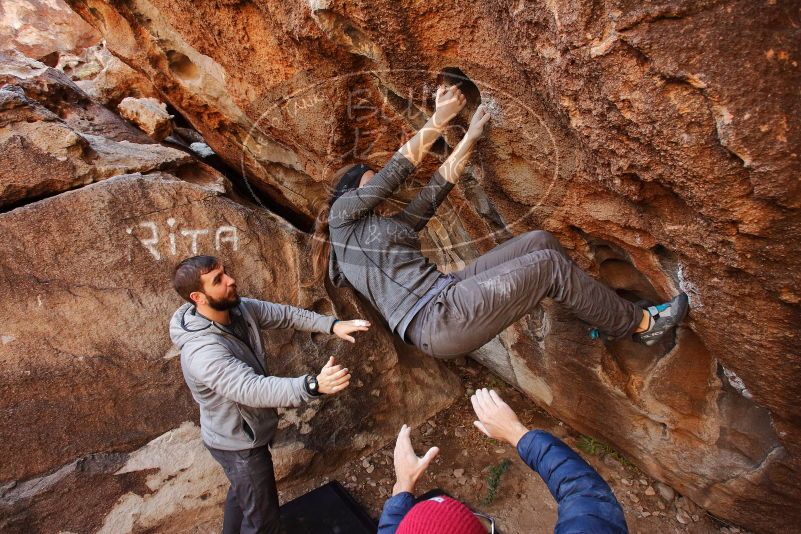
<point x="449" y="102"/>
<point x="496" y="419"/>
<point x="343" y="329"/>
<point x="408" y="466"/>
<point x="332" y="378"/>
<point x="477" y="122"/>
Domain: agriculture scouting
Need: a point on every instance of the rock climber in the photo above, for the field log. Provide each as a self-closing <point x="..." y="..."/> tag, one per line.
<point x="586" y="503"/>
<point x="224" y="365"/>
<point x="449" y="315"/>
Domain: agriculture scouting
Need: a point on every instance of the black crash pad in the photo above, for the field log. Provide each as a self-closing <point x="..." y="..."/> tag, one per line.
<point x="329" y="509"/>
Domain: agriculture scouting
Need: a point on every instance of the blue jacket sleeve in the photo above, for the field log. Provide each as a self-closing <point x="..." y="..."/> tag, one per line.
<point x="586" y="502"/>
<point x="394" y="510"/>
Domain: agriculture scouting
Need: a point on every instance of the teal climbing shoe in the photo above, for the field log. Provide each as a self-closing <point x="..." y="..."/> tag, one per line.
<point x="664" y="318"/>
<point x="595" y="333"/>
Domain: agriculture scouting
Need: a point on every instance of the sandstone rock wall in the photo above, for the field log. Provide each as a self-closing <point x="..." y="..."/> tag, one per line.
<point x="97" y="429"/>
<point x="44" y="29"/>
<point x="51" y="32"/>
<point x="659" y="141"/>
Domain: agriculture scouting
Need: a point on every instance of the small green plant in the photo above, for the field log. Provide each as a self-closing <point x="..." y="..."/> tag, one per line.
<point x="494" y="480"/>
<point x="590" y="445"/>
<point x="595" y="447"/>
<point x="495" y="383"/>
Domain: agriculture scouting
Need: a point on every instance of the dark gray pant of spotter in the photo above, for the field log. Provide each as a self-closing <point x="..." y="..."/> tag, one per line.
<point x="251" y="506"/>
<point x="505" y="284"/>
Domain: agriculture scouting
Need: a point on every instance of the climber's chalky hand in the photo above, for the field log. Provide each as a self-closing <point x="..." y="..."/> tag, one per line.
<point x="477" y="122"/>
<point x="333" y="378"/>
<point x="449" y="102"/>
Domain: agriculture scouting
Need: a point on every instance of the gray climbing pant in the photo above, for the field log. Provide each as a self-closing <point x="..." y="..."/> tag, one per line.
<point x="505" y="284"/>
<point x="251" y="506"/>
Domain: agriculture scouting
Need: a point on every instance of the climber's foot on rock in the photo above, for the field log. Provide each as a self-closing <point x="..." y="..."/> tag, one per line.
<point x="663" y="318"/>
<point x="596" y="333"/>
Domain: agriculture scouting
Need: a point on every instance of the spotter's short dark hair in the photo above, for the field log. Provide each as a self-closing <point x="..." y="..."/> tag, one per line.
<point x="186" y="278"/>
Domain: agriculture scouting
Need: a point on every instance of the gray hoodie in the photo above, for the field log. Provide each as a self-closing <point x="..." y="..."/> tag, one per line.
<point x="229" y="381"/>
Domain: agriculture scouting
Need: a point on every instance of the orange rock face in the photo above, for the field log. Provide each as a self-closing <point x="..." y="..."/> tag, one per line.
<point x="660" y="142"/>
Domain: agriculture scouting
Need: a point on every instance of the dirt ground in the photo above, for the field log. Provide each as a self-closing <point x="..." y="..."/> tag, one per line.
<point x="522" y="502"/>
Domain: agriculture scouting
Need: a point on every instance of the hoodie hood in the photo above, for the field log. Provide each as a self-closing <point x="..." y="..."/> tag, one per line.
<point x="187" y="324"/>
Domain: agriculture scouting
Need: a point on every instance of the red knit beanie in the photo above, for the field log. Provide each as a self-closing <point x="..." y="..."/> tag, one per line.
<point x="440" y="515"/>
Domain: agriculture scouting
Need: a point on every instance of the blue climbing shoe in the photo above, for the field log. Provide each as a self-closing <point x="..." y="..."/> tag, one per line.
<point x="595" y="333"/>
<point x="664" y="318"/>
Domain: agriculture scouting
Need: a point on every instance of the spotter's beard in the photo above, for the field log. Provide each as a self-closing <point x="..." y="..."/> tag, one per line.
<point x="223" y="304"/>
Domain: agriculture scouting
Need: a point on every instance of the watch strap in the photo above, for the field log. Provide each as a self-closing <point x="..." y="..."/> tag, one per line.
<point x="307" y="385"/>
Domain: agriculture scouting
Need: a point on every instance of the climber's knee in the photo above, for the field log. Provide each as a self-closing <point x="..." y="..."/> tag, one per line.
<point x="549" y="262"/>
<point x="555" y="259"/>
<point x="542" y="240"/>
<point x="554" y="269"/>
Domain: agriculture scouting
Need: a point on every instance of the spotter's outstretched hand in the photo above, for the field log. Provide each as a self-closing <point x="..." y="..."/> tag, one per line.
<point x="343" y="329"/>
<point x="408" y="466"/>
<point x="495" y="418"/>
<point x="332" y="378"/>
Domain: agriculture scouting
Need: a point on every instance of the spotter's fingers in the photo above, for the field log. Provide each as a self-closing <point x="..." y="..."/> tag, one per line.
<point x="339" y="374"/>
<point x="479" y="425"/>
<point x="328" y="371"/>
<point x="340" y="387"/>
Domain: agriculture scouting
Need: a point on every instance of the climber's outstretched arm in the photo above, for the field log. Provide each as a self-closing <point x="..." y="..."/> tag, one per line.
<point x="356" y="203"/>
<point x="420" y="210"/>
<point x="449" y="102"/>
<point x="453" y="167"/>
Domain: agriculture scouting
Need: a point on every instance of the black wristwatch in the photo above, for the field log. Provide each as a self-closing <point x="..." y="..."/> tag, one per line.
<point x="332" y="326"/>
<point x="312" y="387"/>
